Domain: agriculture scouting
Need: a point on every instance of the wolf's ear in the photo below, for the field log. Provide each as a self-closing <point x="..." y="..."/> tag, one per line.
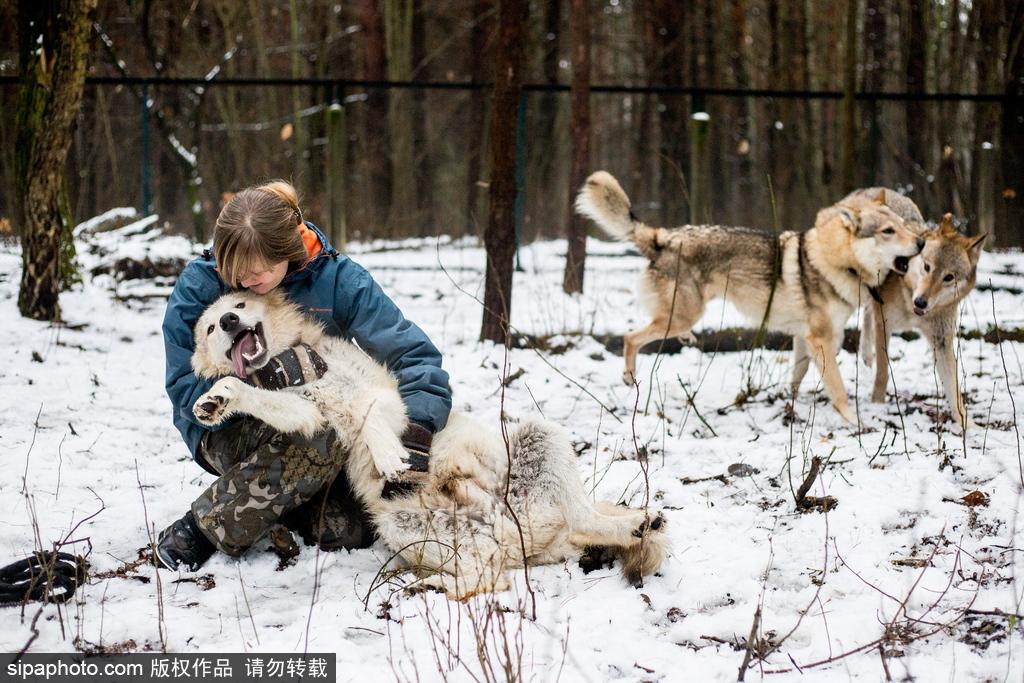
<point x="946" y="226"/>
<point x="849" y="217"/>
<point x="974" y="246"/>
<point x="880" y="199"/>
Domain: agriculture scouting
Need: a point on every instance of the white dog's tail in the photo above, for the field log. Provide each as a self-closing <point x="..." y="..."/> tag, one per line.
<point x="603" y="200"/>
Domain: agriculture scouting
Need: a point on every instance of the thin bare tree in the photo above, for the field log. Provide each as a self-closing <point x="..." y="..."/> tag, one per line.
<point x="575" y="258"/>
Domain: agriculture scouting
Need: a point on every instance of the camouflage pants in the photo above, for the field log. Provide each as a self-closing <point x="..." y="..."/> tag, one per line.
<point x="265" y="475"/>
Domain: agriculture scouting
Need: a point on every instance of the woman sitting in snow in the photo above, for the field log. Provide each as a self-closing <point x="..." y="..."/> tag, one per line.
<point x="261" y="243"/>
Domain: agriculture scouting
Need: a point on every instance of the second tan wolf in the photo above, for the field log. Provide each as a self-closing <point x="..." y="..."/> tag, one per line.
<point x="926" y="299"/>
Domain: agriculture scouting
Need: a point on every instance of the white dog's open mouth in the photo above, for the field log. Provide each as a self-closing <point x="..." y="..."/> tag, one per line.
<point x="248" y="350"/>
<point x="901" y="264"/>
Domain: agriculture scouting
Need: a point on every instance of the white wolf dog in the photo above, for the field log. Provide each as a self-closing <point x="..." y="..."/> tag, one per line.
<point x="456" y="532"/>
<point x="802" y="283"/>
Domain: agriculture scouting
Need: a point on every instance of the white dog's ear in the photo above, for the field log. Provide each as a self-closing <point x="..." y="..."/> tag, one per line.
<point x="274" y="297"/>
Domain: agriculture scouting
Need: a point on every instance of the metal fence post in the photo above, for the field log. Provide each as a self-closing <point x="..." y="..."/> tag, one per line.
<point x="700" y="163"/>
<point x="147" y="199"/>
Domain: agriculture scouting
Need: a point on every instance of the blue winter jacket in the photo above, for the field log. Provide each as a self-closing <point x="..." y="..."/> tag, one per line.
<point x="340" y="294"/>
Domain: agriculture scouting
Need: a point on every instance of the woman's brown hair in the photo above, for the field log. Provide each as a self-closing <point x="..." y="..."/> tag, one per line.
<point x="258" y="227"/>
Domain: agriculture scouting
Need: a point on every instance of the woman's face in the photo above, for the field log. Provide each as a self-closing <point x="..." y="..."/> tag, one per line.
<point x="263" y="278"/>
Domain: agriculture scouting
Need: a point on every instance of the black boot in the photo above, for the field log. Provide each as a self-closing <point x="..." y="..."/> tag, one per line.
<point x="183" y="546"/>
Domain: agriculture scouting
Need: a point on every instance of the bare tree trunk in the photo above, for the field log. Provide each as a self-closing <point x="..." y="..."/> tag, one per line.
<point x="398" y="19"/>
<point x="670" y="21"/>
<point x="477" y="110"/>
<point x="423" y="162"/>
<point x="875" y="65"/>
<point x="375" y="146"/>
<point x="849" y="107"/>
<point x="53" y="46"/>
<point x="499" y="237"/>
<point x="576" y="253"/>
<point x="298" y="125"/>
<point x="917" y="113"/>
<point x="949" y="191"/>
<point x="1012" y="129"/>
<point x="548" y="187"/>
<point x="740" y="60"/>
<point x="986" y="167"/>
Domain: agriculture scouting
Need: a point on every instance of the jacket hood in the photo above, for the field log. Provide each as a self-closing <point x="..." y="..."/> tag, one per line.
<point x="319" y="248"/>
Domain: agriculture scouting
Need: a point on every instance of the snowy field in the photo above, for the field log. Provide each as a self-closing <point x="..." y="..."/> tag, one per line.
<point x="901" y="579"/>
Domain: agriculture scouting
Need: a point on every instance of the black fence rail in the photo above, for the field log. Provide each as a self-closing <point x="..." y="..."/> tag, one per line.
<point x="402" y="158"/>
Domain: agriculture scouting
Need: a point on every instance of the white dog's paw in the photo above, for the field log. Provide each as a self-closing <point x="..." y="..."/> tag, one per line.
<point x="389" y="461"/>
<point x="215" y="405"/>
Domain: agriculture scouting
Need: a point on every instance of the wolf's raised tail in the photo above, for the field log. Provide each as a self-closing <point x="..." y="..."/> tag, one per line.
<point x="603" y="200"/>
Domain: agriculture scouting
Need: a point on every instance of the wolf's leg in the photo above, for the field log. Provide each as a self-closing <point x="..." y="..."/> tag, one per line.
<point x="801" y="361"/>
<point x="945" y="365"/>
<point x="821" y="348"/>
<point x="880" y="336"/>
<point x="866" y="344"/>
<point x="689" y="306"/>
<point x="284" y="411"/>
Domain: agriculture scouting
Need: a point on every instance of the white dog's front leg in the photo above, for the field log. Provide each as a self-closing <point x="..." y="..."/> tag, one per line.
<point x="385" y="448"/>
<point x="285" y="412"/>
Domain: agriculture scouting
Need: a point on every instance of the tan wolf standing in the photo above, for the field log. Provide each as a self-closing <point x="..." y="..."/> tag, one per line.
<point x="813" y="280"/>
<point x="926" y="299"/>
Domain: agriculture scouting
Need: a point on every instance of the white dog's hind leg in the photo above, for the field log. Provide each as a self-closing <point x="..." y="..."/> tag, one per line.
<point x="614" y="525"/>
<point x="635" y="535"/>
<point x="283" y="411"/>
<point x="464" y="584"/>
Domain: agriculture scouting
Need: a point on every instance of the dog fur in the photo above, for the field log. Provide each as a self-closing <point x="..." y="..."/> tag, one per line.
<point x="456" y="532"/>
<point x="939" y="278"/>
<point x="813" y="279"/>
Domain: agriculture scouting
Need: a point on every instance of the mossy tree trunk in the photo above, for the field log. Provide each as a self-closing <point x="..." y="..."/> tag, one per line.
<point x="53" y="38"/>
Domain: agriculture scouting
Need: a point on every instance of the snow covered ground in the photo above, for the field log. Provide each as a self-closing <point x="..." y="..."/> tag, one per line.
<point x="888" y="575"/>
